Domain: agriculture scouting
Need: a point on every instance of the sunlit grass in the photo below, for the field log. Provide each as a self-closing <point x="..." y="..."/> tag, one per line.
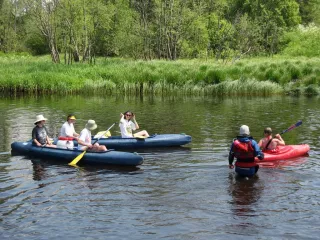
<point x="255" y="76"/>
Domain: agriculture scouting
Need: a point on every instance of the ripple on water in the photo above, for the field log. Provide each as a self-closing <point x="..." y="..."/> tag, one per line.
<point x="178" y="193"/>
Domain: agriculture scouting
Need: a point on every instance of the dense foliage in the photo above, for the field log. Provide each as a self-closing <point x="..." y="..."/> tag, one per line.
<point x="80" y="30"/>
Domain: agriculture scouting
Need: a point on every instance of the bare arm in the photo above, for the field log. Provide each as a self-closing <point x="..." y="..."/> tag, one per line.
<point x="48" y="140"/>
<point x="280" y="140"/>
<point x="135" y="122"/>
<point x="36" y="142"/>
<point x="84" y="144"/>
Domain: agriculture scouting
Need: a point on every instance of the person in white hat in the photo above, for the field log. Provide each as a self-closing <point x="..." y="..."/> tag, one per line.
<point x="40" y="134"/>
<point x="84" y="141"/>
<point x="67" y="129"/>
<point x="245" y="149"/>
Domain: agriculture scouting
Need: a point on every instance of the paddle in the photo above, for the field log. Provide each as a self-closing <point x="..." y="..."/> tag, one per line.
<point x="284" y="131"/>
<point x="79" y="157"/>
<point x="291" y="127"/>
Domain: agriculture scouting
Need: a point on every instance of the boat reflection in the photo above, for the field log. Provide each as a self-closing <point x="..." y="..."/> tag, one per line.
<point x="41" y="166"/>
<point x="284" y="163"/>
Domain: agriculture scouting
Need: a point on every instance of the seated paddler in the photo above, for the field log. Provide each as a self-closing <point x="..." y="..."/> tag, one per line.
<point x="244" y="148"/>
<point x="67" y="133"/>
<point x="268" y="143"/>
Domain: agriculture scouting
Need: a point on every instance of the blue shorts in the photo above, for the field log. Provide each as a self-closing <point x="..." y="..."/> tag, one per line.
<point x="247" y="172"/>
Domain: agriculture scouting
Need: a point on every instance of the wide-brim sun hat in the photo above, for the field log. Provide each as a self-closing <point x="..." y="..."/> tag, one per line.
<point x="40" y="118"/>
<point x="91" y="125"/>
<point x="72" y="117"/>
<point x="244" y="130"/>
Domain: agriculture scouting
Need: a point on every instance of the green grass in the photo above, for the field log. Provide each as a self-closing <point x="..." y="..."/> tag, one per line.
<point x="253" y="76"/>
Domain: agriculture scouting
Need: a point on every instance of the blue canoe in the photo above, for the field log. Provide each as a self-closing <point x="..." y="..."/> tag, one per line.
<point x="110" y="157"/>
<point x="154" y="141"/>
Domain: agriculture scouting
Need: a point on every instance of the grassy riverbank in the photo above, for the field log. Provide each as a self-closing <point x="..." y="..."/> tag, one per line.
<point x="255" y="76"/>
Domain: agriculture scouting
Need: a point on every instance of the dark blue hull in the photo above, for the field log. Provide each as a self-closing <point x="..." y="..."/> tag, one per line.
<point x="154" y="141"/>
<point x="67" y="155"/>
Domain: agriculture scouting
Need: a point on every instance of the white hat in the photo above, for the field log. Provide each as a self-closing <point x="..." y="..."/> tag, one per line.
<point x="244" y="130"/>
<point x="40" y="118"/>
<point x="91" y="125"/>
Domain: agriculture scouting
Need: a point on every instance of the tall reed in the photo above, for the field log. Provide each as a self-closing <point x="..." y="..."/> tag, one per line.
<point x="254" y="76"/>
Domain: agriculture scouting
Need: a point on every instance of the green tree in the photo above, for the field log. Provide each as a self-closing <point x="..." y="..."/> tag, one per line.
<point x="271" y="16"/>
<point x="309" y="11"/>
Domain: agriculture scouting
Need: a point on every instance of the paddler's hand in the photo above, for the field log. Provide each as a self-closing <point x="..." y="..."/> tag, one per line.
<point x="277" y="136"/>
<point x="39" y="144"/>
<point x="89" y="146"/>
<point x="261" y="156"/>
<point x="231" y="166"/>
<point x="121" y="115"/>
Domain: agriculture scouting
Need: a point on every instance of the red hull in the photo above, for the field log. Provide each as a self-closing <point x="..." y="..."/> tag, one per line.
<point x="286" y="152"/>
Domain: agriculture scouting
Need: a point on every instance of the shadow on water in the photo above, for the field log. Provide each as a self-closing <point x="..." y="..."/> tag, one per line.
<point x="244" y="192"/>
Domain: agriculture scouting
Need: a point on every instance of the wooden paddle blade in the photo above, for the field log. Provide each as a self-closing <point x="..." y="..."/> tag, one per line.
<point x="77" y="159"/>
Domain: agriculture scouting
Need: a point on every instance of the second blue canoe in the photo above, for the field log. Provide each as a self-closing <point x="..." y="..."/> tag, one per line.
<point x="154" y="141"/>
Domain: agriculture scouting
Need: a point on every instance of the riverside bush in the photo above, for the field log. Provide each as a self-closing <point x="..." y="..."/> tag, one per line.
<point x="250" y="76"/>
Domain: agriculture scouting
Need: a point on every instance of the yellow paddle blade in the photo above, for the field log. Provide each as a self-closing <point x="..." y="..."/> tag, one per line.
<point x="77" y="159"/>
<point x="100" y="134"/>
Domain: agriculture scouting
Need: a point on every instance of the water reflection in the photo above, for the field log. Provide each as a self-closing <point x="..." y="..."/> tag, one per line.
<point x="38" y="170"/>
<point x="245" y="192"/>
<point x="178" y="193"/>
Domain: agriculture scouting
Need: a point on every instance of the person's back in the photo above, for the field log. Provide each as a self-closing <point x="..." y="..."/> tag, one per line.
<point x="269" y="143"/>
<point x="245" y="149"/>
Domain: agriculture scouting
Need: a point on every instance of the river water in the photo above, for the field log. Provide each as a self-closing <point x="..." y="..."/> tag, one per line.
<point x="180" y="193"/>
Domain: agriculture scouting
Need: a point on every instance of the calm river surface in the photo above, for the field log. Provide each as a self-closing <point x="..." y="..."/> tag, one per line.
<point x="181" y="193"/>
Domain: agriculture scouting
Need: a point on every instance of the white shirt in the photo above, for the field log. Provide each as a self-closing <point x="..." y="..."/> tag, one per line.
<point x="67" y="130"/>
<point x="85" y="136"/>
<point x="126" y="128"/>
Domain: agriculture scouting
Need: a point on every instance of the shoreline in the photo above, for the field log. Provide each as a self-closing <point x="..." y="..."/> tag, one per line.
<point x="109" y="76"/>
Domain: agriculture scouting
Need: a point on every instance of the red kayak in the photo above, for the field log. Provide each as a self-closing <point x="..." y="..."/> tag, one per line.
<point x="285" y="152"/>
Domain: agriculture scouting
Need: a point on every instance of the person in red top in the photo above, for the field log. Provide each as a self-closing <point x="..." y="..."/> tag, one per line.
<point x="269" y="143"/>
<point x="245" y="149"/>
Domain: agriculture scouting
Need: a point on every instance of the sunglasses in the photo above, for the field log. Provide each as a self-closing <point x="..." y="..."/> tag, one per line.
<point x="129" y="115"/>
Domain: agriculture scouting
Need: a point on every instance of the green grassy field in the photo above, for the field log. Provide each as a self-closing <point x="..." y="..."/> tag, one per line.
<point x="252" y="76"/>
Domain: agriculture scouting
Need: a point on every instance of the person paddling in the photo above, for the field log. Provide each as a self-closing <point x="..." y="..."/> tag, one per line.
<point x="84" y="141"/>
<point x="269" y="143"/>
<point x="128" y="124"/>
<point x="67" y="129"/>
<point x="40" y="133"/>
<point x="245" y="149"/>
